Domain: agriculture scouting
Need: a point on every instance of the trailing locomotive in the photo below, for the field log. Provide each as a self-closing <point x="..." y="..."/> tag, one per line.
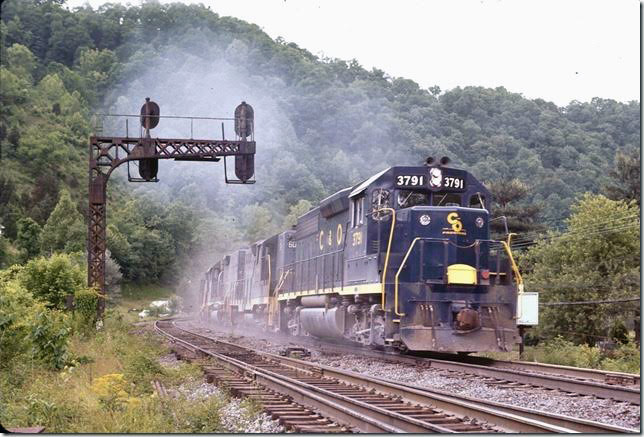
<point x="402" y="260"/>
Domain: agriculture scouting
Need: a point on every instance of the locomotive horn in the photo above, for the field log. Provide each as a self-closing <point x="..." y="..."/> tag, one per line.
<point x="445" y="160"/>
<point x="430" y="160"/>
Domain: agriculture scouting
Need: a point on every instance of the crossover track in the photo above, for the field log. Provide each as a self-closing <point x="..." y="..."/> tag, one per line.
<point x="363" y="403"/>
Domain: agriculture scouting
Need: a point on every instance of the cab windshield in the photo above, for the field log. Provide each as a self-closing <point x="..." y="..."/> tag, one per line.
<point x="446" y="199"/>
<point x="409" y="198"/>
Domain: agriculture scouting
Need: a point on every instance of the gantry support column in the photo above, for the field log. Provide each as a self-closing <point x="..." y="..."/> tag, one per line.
<point x="97" y="240"/>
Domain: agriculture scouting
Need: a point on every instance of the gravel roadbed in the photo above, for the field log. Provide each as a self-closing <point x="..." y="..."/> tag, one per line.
<point x="235" y="416"/>
<point x="552" y="401"/>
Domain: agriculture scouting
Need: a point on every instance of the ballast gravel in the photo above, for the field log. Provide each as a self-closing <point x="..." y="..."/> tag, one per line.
<point x="169" y="361"/>
<point x="585" y="407"/>
<point x="235" y="416"/>
<point x="600" y="410"/>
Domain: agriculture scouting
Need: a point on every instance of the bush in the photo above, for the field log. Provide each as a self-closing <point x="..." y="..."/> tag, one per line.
<point x="566" y="353"/>
<point x="85" y="303"/>
<point x="626" y="358"/>
<point x="619" y="333"/>
<point x="111" y="391"/>
<point x="140" y="371"/>
<point x="27" y="326"/>
<point x="17" y="307"/>
<point x="49" y="335"/>
<point x="53" y="279"/>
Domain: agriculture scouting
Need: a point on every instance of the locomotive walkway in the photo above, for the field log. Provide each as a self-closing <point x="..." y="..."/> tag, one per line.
<point x="315" y="398"/>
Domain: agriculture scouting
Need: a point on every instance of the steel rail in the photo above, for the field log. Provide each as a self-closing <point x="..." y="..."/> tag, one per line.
<point x="573" y="372"/>
<point x="503" y="416"/>
<point x="551" y="376"/>
<point x="415" y="393"/>
<point x="445" y="400"/>
<point x="367" y="418"/>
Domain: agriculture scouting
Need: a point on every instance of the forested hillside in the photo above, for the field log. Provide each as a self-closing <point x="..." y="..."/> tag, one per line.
<point x="321" y="125"/>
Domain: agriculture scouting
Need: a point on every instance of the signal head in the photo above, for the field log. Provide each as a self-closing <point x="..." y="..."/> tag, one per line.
<point x="150" y="114"/>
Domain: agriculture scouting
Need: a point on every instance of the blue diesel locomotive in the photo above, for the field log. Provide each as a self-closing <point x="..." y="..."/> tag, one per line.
<point x="403" y="260"/>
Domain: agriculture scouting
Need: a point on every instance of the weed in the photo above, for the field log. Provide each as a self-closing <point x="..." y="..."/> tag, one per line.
<point x="625" y="358"/>
<point x="140" y="370"/>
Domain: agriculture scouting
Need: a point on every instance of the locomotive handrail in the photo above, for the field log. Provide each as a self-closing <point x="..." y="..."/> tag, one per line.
<point x="385" y="267"/>
<point x="268" y="256"/>
<point x="515" y="269"/>
<point x="402" y="264"/>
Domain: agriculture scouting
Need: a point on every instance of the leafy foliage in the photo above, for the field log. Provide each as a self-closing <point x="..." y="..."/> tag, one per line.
<point x="509" y="198"/>
<point x="64" y="230"/>
<point x="49" y="335"/>
<point x="626" y="177"/>
<point x="53" y="279"/>
<point x="85" y="301"/>
<point x="295" y="211"/>
<point x="17" y="308"/>
<point x="28" y="239"/>
<point x="333" y="122"/>
<point x="598" y="258"/>
<point x="111" y="390"/>
<point x="28" y="329"/>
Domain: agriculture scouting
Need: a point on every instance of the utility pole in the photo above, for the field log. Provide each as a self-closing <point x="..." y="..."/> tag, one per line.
<point x="106" y="153"/>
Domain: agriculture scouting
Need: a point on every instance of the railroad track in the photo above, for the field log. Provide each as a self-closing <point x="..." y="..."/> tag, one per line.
<point x="364" y="403"/>
<point x="623" y="387"/>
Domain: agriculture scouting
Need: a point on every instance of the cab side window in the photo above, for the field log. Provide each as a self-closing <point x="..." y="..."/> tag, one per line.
<point x="357" y="212"/>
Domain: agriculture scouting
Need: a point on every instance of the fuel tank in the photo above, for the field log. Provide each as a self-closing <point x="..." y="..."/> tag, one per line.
<point x="321" y="322"/>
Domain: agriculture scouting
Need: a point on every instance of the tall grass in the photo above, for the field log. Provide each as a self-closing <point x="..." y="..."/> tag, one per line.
<point x="625" y="358"/>
<point x="77" y="399"/>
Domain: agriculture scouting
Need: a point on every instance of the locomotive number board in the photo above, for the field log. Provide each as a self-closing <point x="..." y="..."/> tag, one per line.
<point x="435" y="178"/>
<point x="410" y="180"/>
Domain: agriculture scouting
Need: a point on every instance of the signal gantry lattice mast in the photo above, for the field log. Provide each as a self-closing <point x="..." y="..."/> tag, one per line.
<point x="108" y="152"/>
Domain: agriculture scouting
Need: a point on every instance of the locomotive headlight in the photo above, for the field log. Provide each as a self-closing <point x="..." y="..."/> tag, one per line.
<point x="425" y="220"/>
<point x="479" y="222"/>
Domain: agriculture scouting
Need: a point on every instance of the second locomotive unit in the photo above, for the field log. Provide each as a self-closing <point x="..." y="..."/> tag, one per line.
<point x="403" y="260"/>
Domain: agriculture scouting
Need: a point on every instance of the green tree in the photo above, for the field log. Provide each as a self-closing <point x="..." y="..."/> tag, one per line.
<point x="64" y="230"/>
<point x="17" y="308"/>
<point x="53" y="280"/>
<point x="509" y="198"/>
<point x="626" y="177"/>
<point x="334" y="123"/>
<point x="21" y="61"/>
<point x="28" y="239"/>
<point x="113" y="275"/>
<point x="257" y="222"/>
<point x="300" y="208"/>
<point x="597" y="258"/>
